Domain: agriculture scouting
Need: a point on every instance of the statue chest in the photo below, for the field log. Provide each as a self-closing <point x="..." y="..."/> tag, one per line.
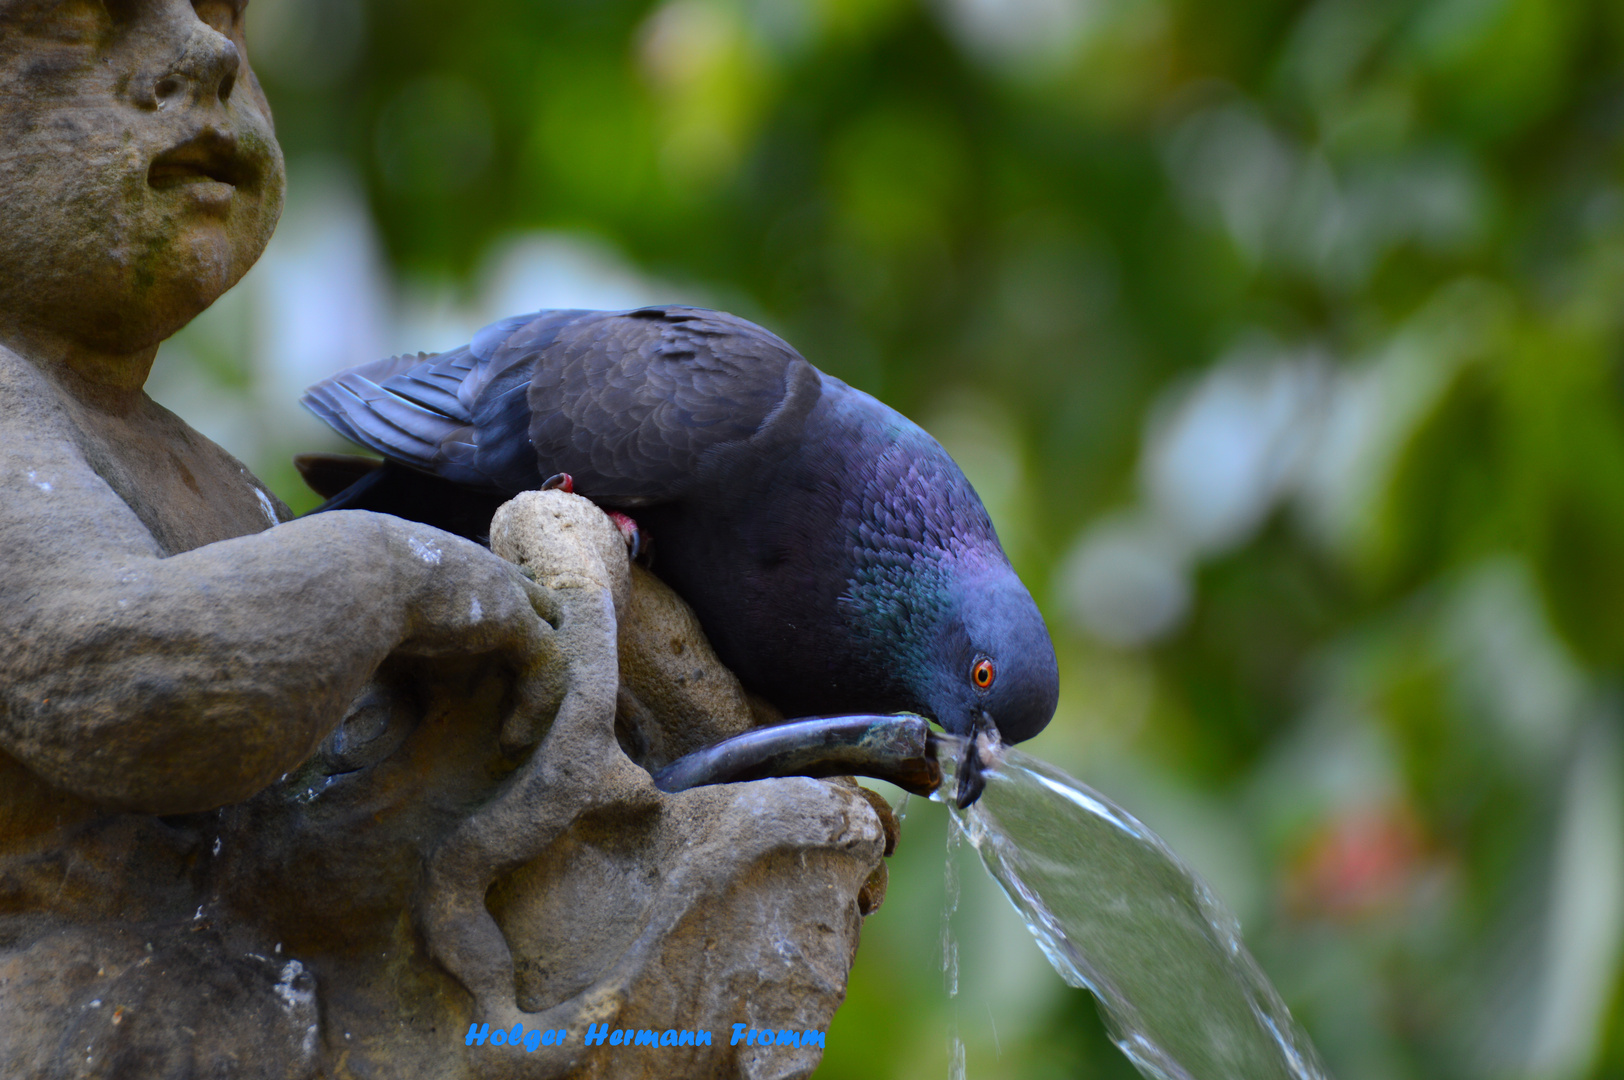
<point x="186" y="490"/>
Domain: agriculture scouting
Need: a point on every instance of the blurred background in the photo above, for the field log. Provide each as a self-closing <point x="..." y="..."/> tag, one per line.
<point x="1282" y="339"/>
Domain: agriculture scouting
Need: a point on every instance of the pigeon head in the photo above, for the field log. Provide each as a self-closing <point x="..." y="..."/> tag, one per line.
<point x="993" y="665"/>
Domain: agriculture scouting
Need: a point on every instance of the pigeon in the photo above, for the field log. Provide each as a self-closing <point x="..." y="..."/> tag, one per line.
<point x="835" y="555"/>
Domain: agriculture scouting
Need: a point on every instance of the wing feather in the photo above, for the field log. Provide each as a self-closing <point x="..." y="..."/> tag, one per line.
<point x="638" y="406"/>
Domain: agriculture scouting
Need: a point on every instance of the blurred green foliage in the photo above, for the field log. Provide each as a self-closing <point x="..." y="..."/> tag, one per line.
<point x="1381" y="710"/>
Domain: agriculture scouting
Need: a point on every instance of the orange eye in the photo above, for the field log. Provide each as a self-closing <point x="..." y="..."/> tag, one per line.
<point x="983" y="673"/>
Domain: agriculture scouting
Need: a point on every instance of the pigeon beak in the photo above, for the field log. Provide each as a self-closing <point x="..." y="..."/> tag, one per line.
<point x="972" y="781"/>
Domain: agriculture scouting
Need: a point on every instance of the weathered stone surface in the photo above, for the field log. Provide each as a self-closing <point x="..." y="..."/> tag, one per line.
<point x="307" y="800"/>
<point x="162" y="1000"/>
<point x="675" y="696"/>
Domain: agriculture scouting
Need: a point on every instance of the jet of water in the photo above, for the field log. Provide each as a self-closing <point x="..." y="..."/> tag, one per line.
<point x="950" y="951"/>
<point x="1117" y="913"/>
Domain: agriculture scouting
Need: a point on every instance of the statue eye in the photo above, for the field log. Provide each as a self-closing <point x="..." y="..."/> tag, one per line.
<point x="983" y="673"/>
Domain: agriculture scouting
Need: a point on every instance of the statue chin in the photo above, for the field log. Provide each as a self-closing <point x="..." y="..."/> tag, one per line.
<point x="170" y="259"/>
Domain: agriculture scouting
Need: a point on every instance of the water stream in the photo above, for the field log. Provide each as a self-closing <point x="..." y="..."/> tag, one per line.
<point x="950" y="952"/>
<point x="1117" y="913"/>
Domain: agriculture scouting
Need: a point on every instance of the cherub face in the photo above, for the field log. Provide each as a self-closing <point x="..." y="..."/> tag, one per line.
<point x="139" y="172"/>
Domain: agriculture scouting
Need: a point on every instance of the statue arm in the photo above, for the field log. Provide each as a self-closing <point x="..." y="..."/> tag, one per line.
<point x="167" y="685"/>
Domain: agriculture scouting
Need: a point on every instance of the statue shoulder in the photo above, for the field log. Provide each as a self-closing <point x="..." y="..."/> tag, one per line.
<point x="185" y="490"/>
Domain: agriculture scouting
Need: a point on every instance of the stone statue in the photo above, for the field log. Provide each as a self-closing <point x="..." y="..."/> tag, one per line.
<point x="342" y="796"/>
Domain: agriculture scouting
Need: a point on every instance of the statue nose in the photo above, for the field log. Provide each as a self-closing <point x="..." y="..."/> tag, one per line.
<point x="207" y="69"/>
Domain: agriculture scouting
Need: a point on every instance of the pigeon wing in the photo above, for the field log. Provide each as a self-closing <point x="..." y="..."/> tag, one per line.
<point x="638" y="406"/>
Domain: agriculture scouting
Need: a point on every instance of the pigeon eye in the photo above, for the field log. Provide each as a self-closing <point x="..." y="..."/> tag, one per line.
<point x="983" y="673"/>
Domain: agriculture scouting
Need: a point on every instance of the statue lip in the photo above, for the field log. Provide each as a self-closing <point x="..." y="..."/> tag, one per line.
<point x="209" y="156"/>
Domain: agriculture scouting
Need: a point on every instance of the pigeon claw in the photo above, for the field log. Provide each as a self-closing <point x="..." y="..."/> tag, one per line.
<point x="559" y="482"/>
<point x="638" y="544"/>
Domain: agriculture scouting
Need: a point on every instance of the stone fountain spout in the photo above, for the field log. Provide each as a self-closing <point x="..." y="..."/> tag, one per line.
<point x="900" y="749"/>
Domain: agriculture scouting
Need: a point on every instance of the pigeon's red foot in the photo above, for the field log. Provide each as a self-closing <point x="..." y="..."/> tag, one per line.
<point x="559" y="482"/>
<point x="637" y="541"/>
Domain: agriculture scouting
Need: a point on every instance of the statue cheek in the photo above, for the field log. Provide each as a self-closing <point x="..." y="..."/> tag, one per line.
<point x="260" y="207"/>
